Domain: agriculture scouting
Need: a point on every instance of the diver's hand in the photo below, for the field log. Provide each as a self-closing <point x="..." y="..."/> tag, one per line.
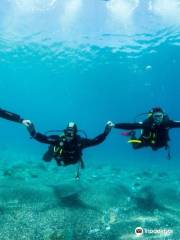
<point x="111" y="124"/>
<point x="26" y="123"/>
<point x="30" y="127"/>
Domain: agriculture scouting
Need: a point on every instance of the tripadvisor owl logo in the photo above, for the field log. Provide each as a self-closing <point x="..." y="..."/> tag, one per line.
<point x="139" y="231"/>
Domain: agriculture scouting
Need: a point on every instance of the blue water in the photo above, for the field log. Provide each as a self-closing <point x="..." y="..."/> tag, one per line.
<point x="90" y="85"/>
<point x="59" y="65"/>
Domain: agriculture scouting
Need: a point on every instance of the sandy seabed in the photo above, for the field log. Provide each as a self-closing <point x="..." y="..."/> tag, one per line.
<point x="44" y="202"/>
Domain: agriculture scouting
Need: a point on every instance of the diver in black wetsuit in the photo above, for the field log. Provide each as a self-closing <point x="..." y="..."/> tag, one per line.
<point x="11" y="116"/>
<point x="155" y="130"/>
<point x="67" y="149"/>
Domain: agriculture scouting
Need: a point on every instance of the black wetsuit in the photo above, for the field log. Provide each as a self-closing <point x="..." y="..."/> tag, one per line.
<point x="10" y="116"/>
<point x="155" y="136"/>
<point x="64" y="152"/>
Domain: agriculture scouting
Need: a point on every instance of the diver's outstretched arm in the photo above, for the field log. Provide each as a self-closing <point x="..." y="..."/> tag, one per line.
<point x="173" y="124"/>
<point x="99" y="139"/>
<point x="10" y="116"/>
<point x="129" y="126"/>
<point x="39" y="136"/>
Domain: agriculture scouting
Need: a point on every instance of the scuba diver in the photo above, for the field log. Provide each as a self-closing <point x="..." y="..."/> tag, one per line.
<point x="12" y="116"/>
<point x="155" y="130"/>
<point x="67" y="148"/>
